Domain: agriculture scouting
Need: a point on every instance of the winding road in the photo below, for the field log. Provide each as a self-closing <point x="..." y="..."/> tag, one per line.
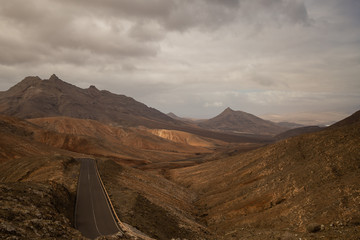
<point x="93" y="215"/>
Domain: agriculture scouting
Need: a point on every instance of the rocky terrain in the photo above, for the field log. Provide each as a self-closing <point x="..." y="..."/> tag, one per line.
<point x="35" y="211"/>
<point x="38" y="197"/>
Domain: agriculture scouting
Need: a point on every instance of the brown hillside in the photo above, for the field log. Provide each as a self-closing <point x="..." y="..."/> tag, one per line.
<point x="186" y="138"/>
<point x="17" y="139"/>
<point x="284" y="190"/>
<point x="129" y="144"/>
<point x="239" y="122"/>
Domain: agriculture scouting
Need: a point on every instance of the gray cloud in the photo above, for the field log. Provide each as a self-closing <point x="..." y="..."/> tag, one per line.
<point x="181" y="55"/>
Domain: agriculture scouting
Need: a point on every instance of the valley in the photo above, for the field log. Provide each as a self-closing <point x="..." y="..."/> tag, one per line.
<point x="234" y="176"/>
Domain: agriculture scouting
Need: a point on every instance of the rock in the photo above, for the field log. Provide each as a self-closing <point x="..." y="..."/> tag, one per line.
<point x="313" y="228"/>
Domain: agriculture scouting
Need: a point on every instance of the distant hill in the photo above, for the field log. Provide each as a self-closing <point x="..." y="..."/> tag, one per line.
<point x="36" y="98"/>
<point x="183" y="119"/>
<point x="174" y="116"/>
<point x="289" y="125"/>
<point x="241" y="123"/>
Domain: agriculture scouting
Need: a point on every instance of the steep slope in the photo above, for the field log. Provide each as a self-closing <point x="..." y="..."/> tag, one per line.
<point x="285" y="190"/>
<point x="35" y="98"/>
<point x="241" y="123"/>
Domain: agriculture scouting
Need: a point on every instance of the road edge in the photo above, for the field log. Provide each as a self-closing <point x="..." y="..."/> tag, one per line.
<point x="122" y="227"/>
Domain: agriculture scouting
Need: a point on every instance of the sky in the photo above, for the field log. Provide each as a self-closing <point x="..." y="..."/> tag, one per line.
<point x="293" y="60"/>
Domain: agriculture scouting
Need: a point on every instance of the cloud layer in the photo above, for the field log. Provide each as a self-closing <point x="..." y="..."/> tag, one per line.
<point x="193" y="58"/>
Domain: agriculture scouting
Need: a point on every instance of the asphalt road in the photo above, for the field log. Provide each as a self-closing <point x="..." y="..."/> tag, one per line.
<point x="93" y="217"/>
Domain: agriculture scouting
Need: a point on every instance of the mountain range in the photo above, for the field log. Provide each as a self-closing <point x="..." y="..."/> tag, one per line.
<point x="36" y="98"/>
<point x="235" y="176"/>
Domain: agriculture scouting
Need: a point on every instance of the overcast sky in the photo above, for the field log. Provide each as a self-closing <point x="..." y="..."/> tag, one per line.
<point x="283" y="59"/>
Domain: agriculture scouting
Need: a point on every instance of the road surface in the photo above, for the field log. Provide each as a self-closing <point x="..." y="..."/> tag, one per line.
<point x="93" y="217"/>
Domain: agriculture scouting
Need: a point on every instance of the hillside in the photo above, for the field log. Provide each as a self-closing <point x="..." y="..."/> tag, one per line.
<point x="135" y="146"/>
<point x="36" y="98"/>
<point x="239" y="122"/>
<point x="17" y="140"/>
<point x="298" y="131"/>
<point x="287" y="190"/>
<point x="186" y="138"/>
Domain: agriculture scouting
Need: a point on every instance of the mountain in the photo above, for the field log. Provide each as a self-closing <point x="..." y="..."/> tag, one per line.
<point x="241" y="123"/>
<point x="288" y="190"/>
<point x="36" y="98"/>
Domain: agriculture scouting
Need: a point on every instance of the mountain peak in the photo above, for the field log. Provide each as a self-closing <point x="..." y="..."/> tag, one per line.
<point x="25" y="83"/>
<point x="93" y="90"/>
<point x="54" y="78"/>
<point x="30" y="80"/>
<point x="93" y="87"/>
<point x="228" y="110"/>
